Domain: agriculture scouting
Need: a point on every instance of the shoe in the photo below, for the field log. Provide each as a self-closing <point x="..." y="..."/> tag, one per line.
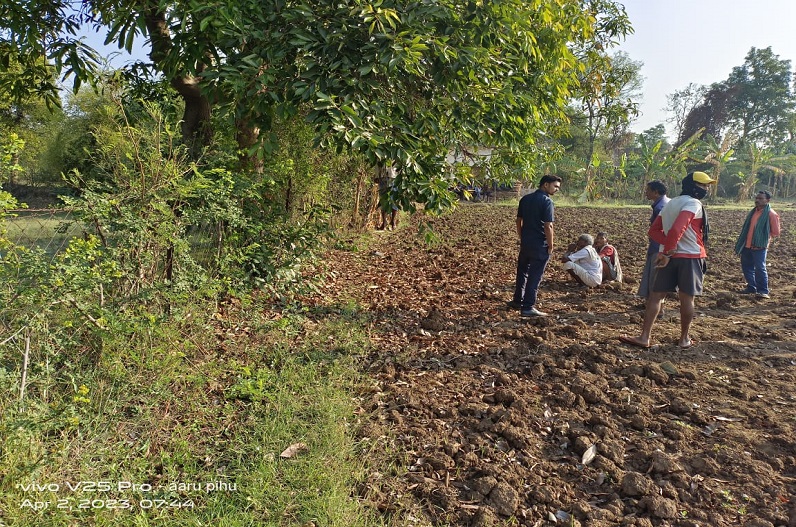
<point x="513" y="304"/>
<point x="763" y="296"/>
<point x="747" y="291"/>
<point x="532" y="312"/>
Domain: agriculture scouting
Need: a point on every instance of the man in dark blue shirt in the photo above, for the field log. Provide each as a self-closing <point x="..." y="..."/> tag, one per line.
<point x="535" y="216"/>
<point x="655" y="191"/>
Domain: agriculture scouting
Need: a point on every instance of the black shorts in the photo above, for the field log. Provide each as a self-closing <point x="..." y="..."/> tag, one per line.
<point x="680" y="274"/>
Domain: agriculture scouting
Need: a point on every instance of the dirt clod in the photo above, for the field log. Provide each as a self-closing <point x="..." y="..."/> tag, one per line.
<point x="660" y="507"/>
<point x="635" y="484"/>
<point x="501" y="409"/>
<point x="504" y="499"/>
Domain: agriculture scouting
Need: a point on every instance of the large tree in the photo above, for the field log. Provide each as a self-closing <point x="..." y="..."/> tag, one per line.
<point x="756" y="103"/>
<point x="764" y="101"/>
<point x="605" y="102"/>
<point x="398" y="81"/>
<point x="680" y="104"/>
<point x="711" y="116"/>
<point x="607" y="94"/>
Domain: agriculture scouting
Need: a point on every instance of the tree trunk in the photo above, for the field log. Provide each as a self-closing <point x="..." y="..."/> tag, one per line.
<point x="196" y="131"/>
<point x="373" y="209"/>
<point x="360" y="188"/>
<point x="713" y="190"/>
<point x="289" y="195"/>
<point x="247" y="136"/>
<point x="645" y="181"/>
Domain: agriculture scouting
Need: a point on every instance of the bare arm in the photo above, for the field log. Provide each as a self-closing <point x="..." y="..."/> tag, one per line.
<point x="549" y="236"/>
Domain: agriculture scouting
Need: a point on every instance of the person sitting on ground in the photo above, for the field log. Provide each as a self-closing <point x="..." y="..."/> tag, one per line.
<point x="583" y="263"/>
<point x="612" y="270"/>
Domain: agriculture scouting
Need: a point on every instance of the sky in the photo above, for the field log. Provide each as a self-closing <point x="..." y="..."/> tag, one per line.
<point x="700" y="42"/>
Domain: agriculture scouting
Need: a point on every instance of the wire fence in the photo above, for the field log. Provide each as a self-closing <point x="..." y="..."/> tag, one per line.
<point x="51" y="230"/>
<point x="47" y="229"/>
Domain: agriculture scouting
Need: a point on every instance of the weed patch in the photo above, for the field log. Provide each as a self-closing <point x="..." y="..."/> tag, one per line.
<point x="184" y="424"/>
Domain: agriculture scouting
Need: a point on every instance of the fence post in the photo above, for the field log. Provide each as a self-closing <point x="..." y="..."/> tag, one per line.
<point x="24" y="367"/>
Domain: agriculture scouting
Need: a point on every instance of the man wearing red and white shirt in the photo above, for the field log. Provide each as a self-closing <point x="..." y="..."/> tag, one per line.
<point x="681" y="229"/>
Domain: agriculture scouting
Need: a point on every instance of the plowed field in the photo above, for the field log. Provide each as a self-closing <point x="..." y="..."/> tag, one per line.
<point x="490" y="419"/>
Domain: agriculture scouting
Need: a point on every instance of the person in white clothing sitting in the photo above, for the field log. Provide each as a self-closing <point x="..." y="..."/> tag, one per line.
<point x="583" y="263"/>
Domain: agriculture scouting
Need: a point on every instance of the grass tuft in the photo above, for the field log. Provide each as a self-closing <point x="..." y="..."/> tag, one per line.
<point x="183" y="424"/>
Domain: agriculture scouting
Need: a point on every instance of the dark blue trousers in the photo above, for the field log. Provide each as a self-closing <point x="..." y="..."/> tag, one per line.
<point x="753" y="265"/>
<point x="531" y="264"/>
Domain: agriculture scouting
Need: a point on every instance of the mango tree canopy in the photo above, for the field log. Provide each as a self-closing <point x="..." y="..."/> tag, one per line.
<point x="401" y="82"/>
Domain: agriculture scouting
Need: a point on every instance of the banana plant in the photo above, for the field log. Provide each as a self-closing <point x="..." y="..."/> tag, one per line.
<point x="603" y="179"/>
<point x="665" y="165"/>
<point x="590" y="175"/>
<point x="651" y="160"/>
<point x="715" y="154"/>
<point x="757" y="160"/>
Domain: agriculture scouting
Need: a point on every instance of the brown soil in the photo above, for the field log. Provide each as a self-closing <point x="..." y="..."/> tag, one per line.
<point x="490" y="419"/>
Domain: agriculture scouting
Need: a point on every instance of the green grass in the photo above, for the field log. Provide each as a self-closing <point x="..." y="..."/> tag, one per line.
<point x="50" y="231"/>
<point x="184" y="423"/>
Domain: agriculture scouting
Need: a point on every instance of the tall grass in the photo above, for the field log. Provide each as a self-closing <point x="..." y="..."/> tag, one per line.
<point x="184" y="423"/>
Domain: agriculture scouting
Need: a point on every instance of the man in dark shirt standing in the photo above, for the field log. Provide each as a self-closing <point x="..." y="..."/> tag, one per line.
<point x="655" y="191"/>
<point x="535" y="216"/>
